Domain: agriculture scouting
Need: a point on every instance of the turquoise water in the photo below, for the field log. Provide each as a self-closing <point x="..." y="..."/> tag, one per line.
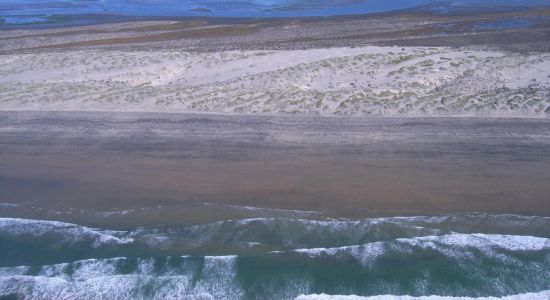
<point x="474" y="255"/>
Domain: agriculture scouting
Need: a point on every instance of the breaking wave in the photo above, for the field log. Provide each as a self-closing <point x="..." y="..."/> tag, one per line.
<point x="68" y="233"/>
<point x="457" y="265"/>
<point x="462" y="255"/>
<point x="125" y="278"/>
<point x="526" y="296"/>
<point x="244" y="236"/>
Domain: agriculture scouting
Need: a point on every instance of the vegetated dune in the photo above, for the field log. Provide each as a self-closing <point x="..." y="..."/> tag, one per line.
<point x="334" y="81"/>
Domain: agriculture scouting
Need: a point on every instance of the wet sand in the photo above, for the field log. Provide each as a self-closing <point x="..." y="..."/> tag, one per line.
<point x="340" y="167"/>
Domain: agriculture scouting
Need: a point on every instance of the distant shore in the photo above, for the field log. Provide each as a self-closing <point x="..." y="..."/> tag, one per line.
<point x="525" y="30"/>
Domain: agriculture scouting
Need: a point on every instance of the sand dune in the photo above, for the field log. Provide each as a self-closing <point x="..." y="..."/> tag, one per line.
<point x="335" y="81"/>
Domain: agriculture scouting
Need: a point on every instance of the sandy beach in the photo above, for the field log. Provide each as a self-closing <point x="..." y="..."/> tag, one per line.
<point x="396" y="154"/>
<point x="278" y="114"/>
<point x="339" y="167"/>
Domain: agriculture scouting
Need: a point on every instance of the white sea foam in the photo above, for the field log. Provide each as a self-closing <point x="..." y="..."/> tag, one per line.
<point x="300" y="233"/>
<point x="526" y="296"/>
<point x="306" y="233"/>
<point x="108" y="287"/>
<point x="508" y="242"/>
<point x="219" y="278"/>
<point x="215" y="277"/>
<point x="12" y="271"/>
<point x="450" y="245"/>
<point x="264" y="209"/>
<point x="291" y="233"/>
<point x="70" y="232"/>
<point x="102" y="279"/>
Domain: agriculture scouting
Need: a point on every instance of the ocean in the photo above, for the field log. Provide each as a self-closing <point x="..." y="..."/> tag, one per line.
<point x="453" y="255"/>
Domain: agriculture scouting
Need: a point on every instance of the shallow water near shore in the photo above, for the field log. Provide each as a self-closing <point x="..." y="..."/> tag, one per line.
<point x="279" y="258"/>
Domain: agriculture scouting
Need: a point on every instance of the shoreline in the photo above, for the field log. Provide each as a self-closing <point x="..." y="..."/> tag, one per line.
<point x="342" y="167"/>
<point x="290" y="114"/>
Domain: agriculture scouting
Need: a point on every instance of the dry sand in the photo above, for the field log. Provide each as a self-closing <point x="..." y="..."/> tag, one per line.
<point x="370" y="80"/>
<point x="354" y="65"/>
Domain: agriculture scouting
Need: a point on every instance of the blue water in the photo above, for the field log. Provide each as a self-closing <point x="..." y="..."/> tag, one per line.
<point x="252" y="8"/>
<point x="36" y="11"/>
<point x="506" y="24"/>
